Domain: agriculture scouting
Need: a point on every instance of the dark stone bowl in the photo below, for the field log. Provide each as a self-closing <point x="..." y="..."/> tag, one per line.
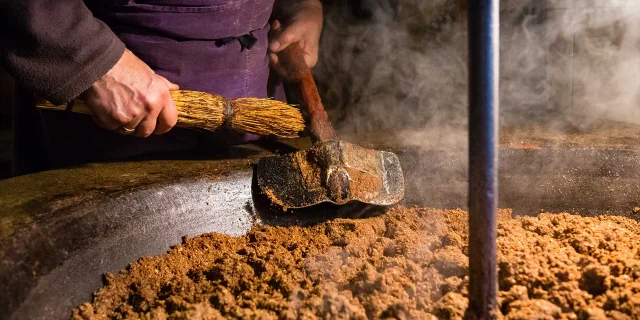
<point x="61" y="230"/>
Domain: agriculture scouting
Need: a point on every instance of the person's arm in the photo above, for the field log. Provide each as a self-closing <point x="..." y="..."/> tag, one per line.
<point x="296" y="21"/>
<point x="58" y="49"/>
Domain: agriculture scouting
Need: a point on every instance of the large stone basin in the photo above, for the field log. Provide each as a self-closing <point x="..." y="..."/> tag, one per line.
<point x="61" y="230"/>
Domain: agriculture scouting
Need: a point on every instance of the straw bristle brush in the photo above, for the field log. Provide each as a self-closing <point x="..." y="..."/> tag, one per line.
<point x="265" y="117"/>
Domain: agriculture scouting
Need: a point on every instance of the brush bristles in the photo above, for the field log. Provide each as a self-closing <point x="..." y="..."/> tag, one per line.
<point x="199" y="110"/>
<point x="266" y="117"/>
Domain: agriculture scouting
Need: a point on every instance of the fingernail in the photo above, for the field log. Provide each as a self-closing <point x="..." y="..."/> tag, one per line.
<point x="274" y="45"/>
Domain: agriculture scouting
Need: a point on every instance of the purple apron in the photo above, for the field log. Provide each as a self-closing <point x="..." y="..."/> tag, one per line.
<point x="215" y="46"/>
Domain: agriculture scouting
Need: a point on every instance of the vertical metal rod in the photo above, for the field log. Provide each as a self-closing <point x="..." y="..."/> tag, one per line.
<point x="483" y="27"/>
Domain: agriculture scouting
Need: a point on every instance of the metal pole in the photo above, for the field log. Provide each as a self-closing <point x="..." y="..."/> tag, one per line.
<point x="483" y="27"/>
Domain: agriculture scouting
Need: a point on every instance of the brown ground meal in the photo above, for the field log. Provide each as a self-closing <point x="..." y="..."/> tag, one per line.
<point x="366" y="185"/>
<point x="407" y="264"/>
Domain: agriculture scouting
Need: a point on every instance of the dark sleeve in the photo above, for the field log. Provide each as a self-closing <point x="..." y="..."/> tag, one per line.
<point x="56" y="48"/>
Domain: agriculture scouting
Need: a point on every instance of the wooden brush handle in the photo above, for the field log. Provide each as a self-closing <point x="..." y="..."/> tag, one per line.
<point x="297" y="76"/>
<point x="78" y="105"/>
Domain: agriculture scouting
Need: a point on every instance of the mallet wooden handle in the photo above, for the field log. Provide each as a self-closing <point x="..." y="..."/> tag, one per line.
<point x="296" y="74"/>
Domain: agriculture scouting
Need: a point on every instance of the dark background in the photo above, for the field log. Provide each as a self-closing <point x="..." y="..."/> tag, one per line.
<point x="6" y="103"/>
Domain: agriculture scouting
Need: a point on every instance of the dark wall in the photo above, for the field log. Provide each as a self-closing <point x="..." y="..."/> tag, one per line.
<point x="6" y="98"/>
<point x="6" y="104"/>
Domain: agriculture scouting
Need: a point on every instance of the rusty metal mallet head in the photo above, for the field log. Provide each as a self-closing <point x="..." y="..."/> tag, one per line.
<point x="331" y="170"/>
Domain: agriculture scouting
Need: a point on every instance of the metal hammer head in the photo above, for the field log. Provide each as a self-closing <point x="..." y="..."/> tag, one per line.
<point x="331" y="171"/>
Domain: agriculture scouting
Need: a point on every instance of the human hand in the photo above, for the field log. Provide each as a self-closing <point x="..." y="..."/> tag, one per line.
<point x="299" y="21"/>
<point x="132" y="99"/>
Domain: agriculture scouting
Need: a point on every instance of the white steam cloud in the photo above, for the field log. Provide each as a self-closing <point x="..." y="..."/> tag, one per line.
<point x="402" y="68"/>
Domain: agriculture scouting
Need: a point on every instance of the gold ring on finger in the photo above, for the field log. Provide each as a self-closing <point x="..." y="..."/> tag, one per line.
<point x="126" y="131"/>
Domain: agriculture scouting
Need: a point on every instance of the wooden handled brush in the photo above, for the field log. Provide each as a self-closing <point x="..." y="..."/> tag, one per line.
<point x="265" y="117"/>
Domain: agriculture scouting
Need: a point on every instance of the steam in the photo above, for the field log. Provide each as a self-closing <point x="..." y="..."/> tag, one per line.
<point x="402" y="68"/>
<point x="606" y="57"/>
<point x="399" y="67"/>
